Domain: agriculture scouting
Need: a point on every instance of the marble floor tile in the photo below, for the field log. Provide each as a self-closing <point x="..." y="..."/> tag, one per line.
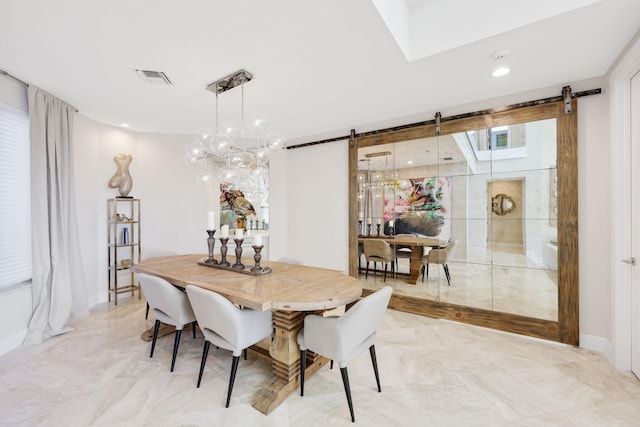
<point x="517" y="286"/>
<point x="433" y="373"/>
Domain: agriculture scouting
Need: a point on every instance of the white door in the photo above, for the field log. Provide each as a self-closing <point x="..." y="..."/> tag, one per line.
<point x="635" y="224"/>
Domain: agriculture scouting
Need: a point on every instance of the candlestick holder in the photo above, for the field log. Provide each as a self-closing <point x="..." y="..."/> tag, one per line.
<point x="211" y="243"/>
<point x="238" y="265"/>
<point x="257" y="257"/>
<point x="392" y="231"/>
<point x="378" y="229"/>
<point x="368" y="229"/>
<point x="360" y="230"/>
<point x="223" y="252"/>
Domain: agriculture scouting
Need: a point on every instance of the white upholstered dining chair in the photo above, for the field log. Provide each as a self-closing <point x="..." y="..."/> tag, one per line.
<point x="170" y="305"/>
<point x="227" y="326"/>
<point x="156" y="254"/>
<point x="378" y="250"/>
<point x="342" y="338"/>
<point x="439" y="256"/>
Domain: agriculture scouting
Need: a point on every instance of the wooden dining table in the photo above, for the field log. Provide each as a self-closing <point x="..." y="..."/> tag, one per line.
<point x="417" y="245"/>
<point x="290" y="291"/>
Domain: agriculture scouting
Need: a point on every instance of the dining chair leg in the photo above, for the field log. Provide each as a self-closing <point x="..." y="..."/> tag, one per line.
<point x="331" y="365"/>
<point x="446" y="273"/>
<point x="234" y="368"/>
<point x="423" y="269"/>
<point x="245" y="353"/>
<point x="374" y="362"/>
<point x="176" y="344"/>
<point x="303" y="366"/>
<point x="385" y="272"/>
<point x="193" y="327"/>
<point x="205" y="352"/>
<point x="156" y="328"/>
<point x="366" y="274"/>
<point x="347" y="390"/>
<point x="146" y="315"/>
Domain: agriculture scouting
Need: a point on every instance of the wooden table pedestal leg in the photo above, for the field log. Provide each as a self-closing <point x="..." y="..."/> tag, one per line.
<point x="415" y="264"/>
<point x="286" y="362"/>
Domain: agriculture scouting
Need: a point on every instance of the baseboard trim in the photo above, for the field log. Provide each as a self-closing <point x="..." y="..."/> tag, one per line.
<point x="598" y="344"/>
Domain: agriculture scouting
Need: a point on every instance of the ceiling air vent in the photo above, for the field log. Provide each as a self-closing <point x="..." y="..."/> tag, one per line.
<point x="154" y="77"/>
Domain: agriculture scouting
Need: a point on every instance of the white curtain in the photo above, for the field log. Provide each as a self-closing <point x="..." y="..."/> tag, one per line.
<point x="58" y="281"/>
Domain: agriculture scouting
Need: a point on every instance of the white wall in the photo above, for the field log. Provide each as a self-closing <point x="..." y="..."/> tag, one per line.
<point x="173" y="206"/>
<point x="594" y="221"/>
<point x="88" y="196"/>
<point x="15" y="313"/>
<point x="278" y="206"/>
<point x="318" y="205"/>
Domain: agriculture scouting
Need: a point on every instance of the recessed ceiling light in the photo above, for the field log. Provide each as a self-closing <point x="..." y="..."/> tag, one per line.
<point x="124" y="125"/>
<point x="501" y="71"/>
<point x="501" y="66"/>
<point x="410" y="162"/>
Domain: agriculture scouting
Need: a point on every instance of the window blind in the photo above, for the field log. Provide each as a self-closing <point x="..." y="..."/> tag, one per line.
<point x="15" y="195"/>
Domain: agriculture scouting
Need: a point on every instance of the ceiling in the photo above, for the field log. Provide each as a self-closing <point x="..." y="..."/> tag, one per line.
<point x="320" y="67"/>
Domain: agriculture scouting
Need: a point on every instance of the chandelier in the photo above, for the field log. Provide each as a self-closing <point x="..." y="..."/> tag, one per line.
<point x="240" y="151"/>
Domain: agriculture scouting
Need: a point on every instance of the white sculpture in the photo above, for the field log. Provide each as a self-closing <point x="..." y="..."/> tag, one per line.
<point x="122" y="179"/>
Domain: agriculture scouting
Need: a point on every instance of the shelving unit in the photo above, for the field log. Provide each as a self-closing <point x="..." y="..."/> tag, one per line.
<point x="123" y="242"/>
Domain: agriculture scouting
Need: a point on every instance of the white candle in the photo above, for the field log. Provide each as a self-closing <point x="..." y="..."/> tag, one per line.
<point x="360" y="214"/>
<point x="257" y="240"/>
<point x="211" y="220"/>
<point x="368" y="220"/>
<point x="391" y="223"/>
<point x="239" y="233"/>
<point x="224" y="231"/>
<point x="378" y="221"/>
